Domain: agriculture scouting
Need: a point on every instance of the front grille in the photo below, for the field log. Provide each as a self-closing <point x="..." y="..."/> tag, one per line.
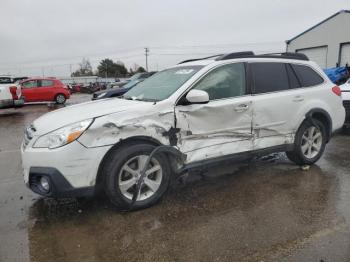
<point x="347" y="109"/>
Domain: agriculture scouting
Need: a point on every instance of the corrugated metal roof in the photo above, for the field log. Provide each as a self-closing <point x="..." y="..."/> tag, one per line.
<point x="323" y="21"/>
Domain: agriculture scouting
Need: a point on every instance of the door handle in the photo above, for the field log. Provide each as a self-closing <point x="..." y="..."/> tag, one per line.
<point x="298" y="99"/>
<point x="241" y="108"/>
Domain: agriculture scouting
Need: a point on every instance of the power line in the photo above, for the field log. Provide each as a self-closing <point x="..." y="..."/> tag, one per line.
<point x="60" y="58"/>
<point x="128" y="50"/>
<point x="185" y="50"/>
<point x="67" y="64"/>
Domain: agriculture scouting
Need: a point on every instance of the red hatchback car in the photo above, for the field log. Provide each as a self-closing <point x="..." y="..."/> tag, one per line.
<point x="44" y="89"/>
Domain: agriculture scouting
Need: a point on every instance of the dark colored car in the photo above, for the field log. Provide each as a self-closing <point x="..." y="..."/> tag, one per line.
<point x="115" y="92"/>
<point x="134" y="77"/>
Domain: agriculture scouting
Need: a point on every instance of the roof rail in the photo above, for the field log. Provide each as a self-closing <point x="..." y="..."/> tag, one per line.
<point x="235" y="55"/>
<point x="288" y="55"/>
<point x="197" y="59"/>
<point x="250" y="54"/>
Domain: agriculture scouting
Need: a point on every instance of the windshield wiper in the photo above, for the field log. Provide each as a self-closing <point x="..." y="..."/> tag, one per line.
<point x="126" y="97"/>
<point x="139" y="99"/>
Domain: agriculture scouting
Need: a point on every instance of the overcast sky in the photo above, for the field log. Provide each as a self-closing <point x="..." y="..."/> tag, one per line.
<point x="47" y="36"/>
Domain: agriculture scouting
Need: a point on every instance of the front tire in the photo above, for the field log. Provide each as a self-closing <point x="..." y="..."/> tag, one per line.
<point x="60" y="99"/>
<point x="309" y="144"/>
<point x="123" y="169"/>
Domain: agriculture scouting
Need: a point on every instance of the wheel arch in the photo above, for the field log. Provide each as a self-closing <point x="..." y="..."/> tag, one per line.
<point x="324" y="117"/>
<point x="122" y="143"/>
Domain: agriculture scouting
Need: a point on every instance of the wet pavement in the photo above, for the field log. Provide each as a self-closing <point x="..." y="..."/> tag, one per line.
<point x="267" y="209"/>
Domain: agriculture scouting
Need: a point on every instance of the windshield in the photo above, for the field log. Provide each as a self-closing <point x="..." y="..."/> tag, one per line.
<point x="163" y="84"/>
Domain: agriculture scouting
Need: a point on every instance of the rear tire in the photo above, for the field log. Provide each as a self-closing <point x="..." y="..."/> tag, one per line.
<point x="121" y="171"/>
<point x="309" y="144"/>
<point x="60" y="99"/>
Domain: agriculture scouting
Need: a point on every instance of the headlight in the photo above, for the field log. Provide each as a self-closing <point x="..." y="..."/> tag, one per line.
<point x="101" y="95"/>
<point x="62" y="136"/>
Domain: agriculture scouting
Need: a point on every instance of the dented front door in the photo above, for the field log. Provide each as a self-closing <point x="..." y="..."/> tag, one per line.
<point x="222" y="126"/>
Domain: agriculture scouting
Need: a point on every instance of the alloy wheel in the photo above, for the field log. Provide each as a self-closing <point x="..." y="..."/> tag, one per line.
<point x="60" y="99"/>
<point x="131" y="172"/>
<point x="311" y="142"/>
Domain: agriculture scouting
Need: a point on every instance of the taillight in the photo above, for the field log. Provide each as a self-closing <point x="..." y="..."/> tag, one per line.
<point x="336" y="90"/>
<point x="13" y="90"/>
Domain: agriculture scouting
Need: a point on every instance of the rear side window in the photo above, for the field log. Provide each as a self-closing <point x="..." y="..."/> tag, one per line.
<point x="269" y="77"/>
<point x="307" y="76"/>
<point x="46" y="83"/>
<point x="293" y="80"/>
<point x="6" y="80"/>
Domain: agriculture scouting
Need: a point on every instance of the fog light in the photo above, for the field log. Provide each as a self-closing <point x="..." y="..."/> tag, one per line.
<point x="44" y="182"/>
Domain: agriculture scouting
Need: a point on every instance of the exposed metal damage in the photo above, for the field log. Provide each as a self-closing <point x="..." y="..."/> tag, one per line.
<point x="116" y="127"/>
<point x="199" y="131"/>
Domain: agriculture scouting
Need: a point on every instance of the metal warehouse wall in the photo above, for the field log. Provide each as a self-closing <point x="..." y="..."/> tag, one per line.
<point x="331" y="33"/>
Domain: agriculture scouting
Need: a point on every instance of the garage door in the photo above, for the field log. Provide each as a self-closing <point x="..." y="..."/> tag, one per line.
<point x="345" y="54"/>
<point x="317" y="54"/>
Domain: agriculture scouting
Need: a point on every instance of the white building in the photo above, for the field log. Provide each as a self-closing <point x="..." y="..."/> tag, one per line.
<point x="84" y="79"/>
<point x="327" y="43"/>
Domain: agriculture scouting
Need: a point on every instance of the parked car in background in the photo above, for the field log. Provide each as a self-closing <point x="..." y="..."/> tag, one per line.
<point x="134" y="77"/>
<point x="115" y="92"/>
<point x="44" y="89"/>
<point x="345" y="89"/>
<point x="10" y="93"/>
<point x="76" y="87"/>
<point x="199" y="112"/>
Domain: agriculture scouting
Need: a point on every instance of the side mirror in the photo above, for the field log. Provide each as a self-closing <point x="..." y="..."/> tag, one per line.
<point x="197" y="97"/>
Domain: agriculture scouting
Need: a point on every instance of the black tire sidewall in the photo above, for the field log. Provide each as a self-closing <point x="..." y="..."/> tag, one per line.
<point x="112" y="172"/>
<point x="307" y="124"/>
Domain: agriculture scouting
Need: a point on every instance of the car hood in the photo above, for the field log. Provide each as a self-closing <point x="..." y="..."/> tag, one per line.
<point x="72" y="114"/>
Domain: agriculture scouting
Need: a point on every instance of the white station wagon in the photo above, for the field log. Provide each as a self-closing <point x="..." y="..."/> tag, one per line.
<point x="196" y="113"/>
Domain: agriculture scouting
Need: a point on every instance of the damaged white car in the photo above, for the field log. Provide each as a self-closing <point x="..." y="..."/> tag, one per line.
<point x="198" y="112"/>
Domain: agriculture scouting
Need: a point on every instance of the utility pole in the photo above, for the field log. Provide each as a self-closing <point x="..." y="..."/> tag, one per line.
<point x="70" y="70"/>
<point x="146" y="55"/>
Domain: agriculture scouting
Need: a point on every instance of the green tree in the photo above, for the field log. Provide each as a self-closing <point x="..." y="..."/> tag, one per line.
<point x="85" y="68"/>
<point x="107" y="68"/>
<point x="140" y="70"/>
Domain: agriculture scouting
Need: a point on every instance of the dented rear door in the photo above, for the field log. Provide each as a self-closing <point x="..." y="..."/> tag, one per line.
<point x="224" y="125"/>
<point x="277" y="99"/>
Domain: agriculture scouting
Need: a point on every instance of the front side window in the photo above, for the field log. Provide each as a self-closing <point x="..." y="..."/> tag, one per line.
<point x="269" y="77"/>
<point x="30" y="84"/>
<point x="163" y="84"/>
<point x="46" y="83"/>
<point x="307" y="76"/>
<point x="224" y="82"/>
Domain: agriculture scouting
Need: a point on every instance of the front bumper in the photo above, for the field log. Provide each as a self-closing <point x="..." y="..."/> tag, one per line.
<point x="71" y="169"/>
<point x="59" y="187"/>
